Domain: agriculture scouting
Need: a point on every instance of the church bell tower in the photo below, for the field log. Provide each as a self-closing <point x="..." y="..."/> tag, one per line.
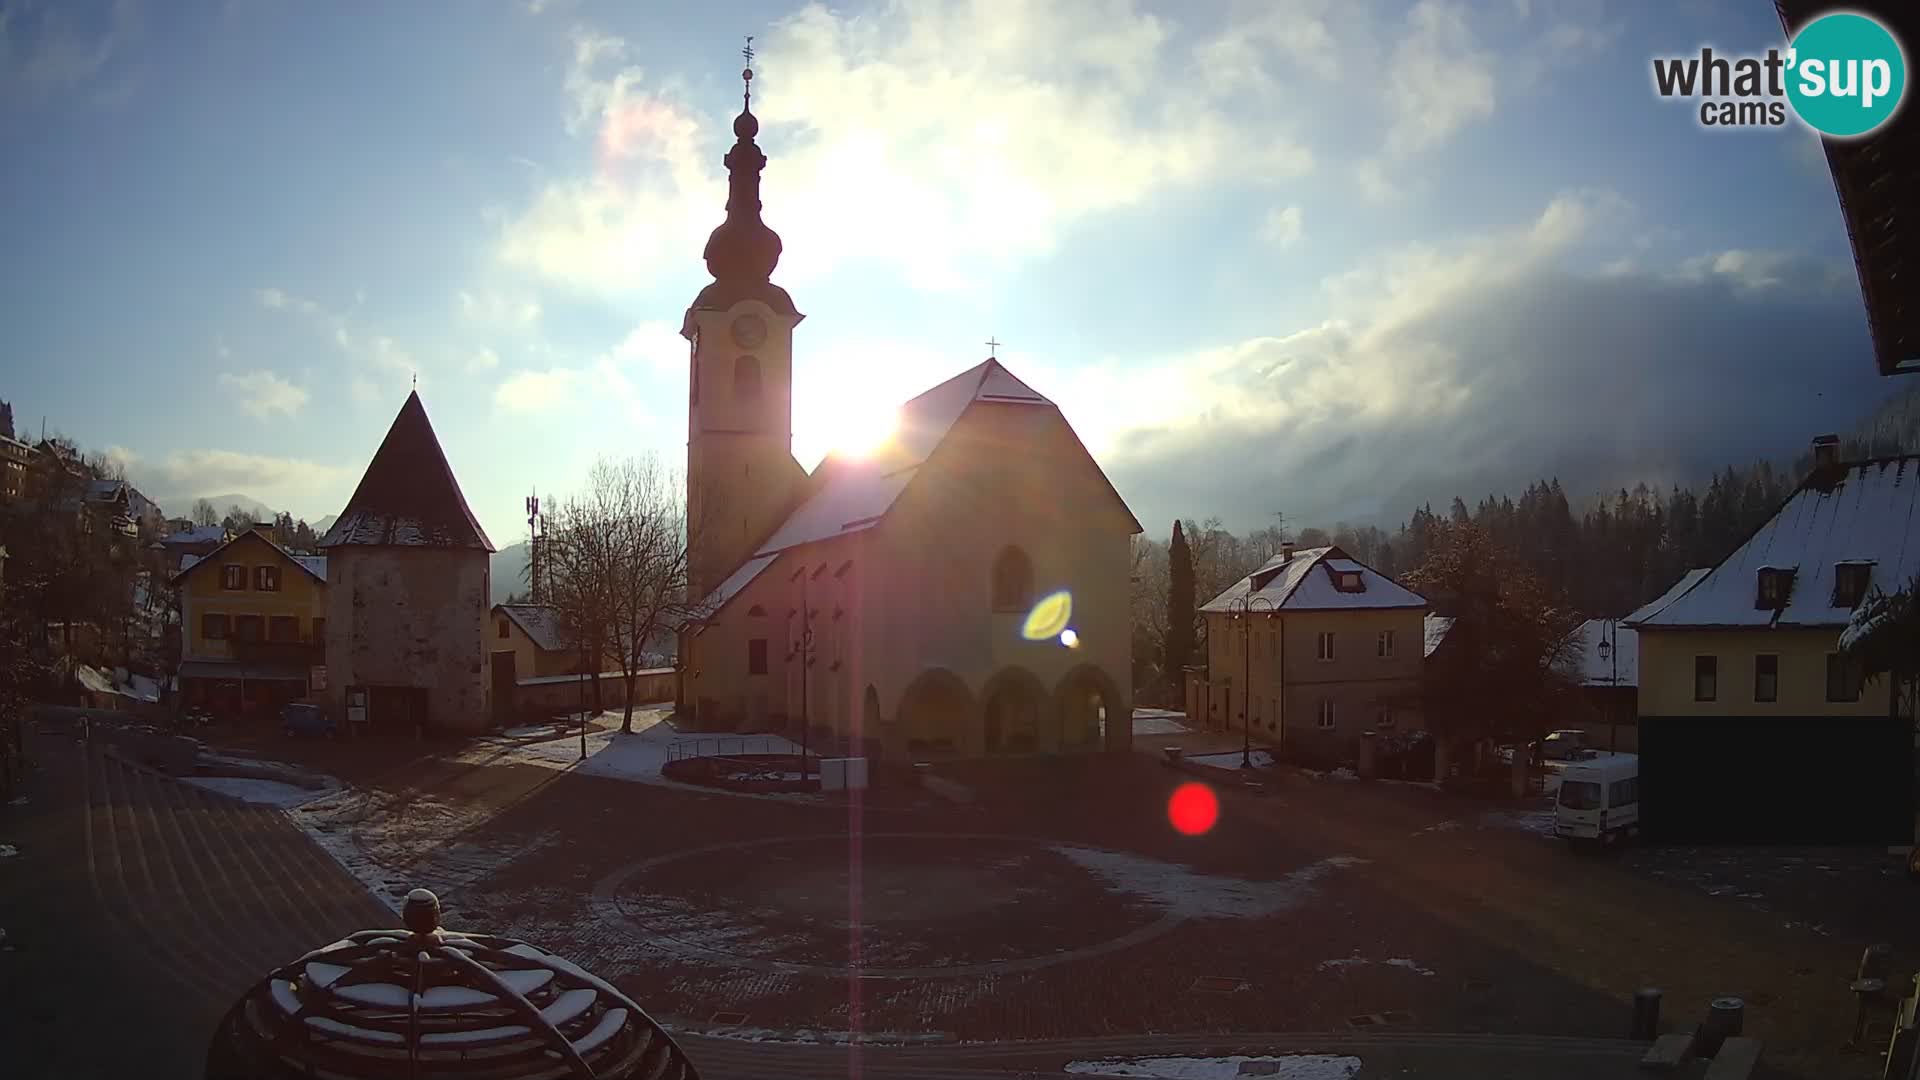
<point x="742" y="480"/>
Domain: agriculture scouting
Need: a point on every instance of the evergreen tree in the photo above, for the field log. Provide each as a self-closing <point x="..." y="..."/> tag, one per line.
<point x="1180" y="606"/>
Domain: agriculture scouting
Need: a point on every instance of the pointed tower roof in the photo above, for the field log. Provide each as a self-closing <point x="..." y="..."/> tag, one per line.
<point x="408" y="496"/>
<point x="742" y="251"/>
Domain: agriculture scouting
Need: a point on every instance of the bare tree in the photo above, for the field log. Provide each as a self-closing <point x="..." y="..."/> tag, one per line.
<point x="239" y="519"/>
<point x="204" y="513"/>
<point x="617" y="565"/>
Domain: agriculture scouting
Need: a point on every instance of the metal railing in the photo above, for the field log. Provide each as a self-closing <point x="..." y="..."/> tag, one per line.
<point x="728" y="745"/>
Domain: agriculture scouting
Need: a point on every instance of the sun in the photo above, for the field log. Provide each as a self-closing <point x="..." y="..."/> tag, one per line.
<point x="856" y="429"/>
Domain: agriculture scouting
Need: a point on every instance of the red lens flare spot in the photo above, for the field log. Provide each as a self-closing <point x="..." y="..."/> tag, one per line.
<point x="1193" y="809"/>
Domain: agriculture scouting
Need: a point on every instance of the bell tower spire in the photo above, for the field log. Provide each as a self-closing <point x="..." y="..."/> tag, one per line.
<point x="742" y="480"/>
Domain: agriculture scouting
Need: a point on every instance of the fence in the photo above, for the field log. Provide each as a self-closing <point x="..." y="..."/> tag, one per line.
<point x="546" y="695"/>
<point x="726" y="745"/>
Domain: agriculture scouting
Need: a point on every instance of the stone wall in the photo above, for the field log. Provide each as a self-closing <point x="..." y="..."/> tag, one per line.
<point x="411" y="617"/>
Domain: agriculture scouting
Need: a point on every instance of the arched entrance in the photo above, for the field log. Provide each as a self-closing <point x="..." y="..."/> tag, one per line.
<point x="934" y="714"/>
<point x="1093" y="714"/>
<point x="1017" y="719"/>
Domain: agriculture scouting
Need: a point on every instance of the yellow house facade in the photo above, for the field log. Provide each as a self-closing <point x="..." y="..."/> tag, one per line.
<point x="1743" y="681"/>
<point x="1310" y="651"/>
<point x="253" y="624"/>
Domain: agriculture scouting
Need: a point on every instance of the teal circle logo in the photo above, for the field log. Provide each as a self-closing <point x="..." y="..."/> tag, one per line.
<point x="1845" y="74"/>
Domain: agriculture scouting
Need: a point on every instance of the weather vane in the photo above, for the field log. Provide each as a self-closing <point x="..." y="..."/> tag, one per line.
<point x="746" y="73"/>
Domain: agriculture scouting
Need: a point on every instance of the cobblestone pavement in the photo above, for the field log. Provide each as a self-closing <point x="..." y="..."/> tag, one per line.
<point x="1457" y="946"/>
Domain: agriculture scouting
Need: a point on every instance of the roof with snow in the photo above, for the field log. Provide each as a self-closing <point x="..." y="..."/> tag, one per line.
<point x="1687" y="581"/>
<point x="205" y="534"/>
<point x="1862" y="513"/>
<point x="315" y="565"/>
<point x="1437" y="627"/>
<point x="408" y="497"/>
<point x="540" y="622"/>
<point x="853" y="494"/>
<point x="1621" y="665"/>
<point x="1309" y="580"/>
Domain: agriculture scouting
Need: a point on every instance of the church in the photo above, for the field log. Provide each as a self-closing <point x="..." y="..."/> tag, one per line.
<point x="962" y="590"/>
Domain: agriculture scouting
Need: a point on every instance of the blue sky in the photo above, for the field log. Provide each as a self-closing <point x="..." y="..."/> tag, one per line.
<point x="1327" y="257"/>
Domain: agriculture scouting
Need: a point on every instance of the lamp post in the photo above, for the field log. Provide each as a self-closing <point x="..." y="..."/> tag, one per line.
<point x="803" y="649"/>
<point x="1609" y="654"/>
<point x="1242" y="609"/>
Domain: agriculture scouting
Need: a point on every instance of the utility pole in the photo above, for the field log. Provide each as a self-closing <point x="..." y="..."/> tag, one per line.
<point x="536" y="590"/>
<point x="803" y="649"/>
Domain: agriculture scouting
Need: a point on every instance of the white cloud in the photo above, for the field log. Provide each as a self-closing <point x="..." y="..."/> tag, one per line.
<point x="1757" y="271"/>
<point x="307" y="486"/>
<point x="1281" y="227"/>
<point x="281" y="300"/>
<point x="1439" y="80"/>
<point x="880" y="130"/>
<point x="263" y="393"/>
<point x="484" y="360"/>
<point x="386" y="365"/>
<point x="1374" y="185"/>
<point x="497" y="311"/>
<point x="540" y="391"/>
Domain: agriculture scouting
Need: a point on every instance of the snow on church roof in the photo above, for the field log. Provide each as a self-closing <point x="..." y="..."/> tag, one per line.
<point x="1862" y="512"/>
<point x="854" y="494"/>
<point x="408" y="496"/>
<point x="1291" y="584"/>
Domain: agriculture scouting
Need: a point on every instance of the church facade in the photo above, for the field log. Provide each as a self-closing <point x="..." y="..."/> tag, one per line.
<point x="962" y="590"/>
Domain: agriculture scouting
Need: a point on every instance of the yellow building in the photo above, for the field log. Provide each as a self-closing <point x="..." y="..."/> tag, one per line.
<point x="1743" y="687"/>
<point x="885" y="596"/>
<point x="253" y="625"/>
<point x="1311" y="650"/>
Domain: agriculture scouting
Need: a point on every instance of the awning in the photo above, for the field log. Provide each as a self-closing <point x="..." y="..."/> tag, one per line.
<point x="227" y="669"/>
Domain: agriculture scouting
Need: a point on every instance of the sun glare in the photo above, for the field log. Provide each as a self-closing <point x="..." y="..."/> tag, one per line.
<point x="858" y="432"/>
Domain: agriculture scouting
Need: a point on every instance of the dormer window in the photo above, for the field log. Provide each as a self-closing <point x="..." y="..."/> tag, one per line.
<point x="1349" y="581"/>
<point x="1850" y="581"/>
<point x="1775" y="584"/>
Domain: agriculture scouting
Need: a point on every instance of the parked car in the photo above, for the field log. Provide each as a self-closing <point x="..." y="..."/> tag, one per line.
<point x="307" y="718"/>
<point x="1567" y="744"/>
<point x="1599" y="801"/>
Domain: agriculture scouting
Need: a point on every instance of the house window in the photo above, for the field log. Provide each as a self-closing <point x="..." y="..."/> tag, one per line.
<point x="266" y="578"/>
<point x="1383" y="717"/>
<point x="1850" y="583"/>
<point x="1706" y="678"/>
<point x="1843" y="678"/>
<point x="1329" y="714"/>
<point x="502" y="632"/>
<point x="233" y="577"/>
<point x="283" y="628"/>
<point x="1766" y="677"/>
<point x="1775" y="584"/>
<point x="1324" y="644"/>
<point x="746" y="379"/>
<point x="1013" y="581"/>
<point x="319" y="631"/>
<point x="247" y="627"/>
<point x="213" y="627"/>
<point x="757" y="656"/>
<point x="1349" y="581"/>
<point x="1383" y="646"/>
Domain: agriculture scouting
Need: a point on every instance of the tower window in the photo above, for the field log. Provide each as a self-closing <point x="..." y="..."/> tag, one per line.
<point x="1012" y="581"/>
<point x="746" y="379"/>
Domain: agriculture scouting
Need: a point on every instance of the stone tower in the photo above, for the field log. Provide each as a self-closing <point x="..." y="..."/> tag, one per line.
<point x="742" y="480"/>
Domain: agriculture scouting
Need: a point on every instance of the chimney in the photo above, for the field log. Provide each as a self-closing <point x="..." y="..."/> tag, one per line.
<point x="1826" y="452"/>
<point x="1286" y="551"/>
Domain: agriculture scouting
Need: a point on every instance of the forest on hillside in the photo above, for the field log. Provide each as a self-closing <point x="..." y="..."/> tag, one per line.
<point x="1602" y="554"/>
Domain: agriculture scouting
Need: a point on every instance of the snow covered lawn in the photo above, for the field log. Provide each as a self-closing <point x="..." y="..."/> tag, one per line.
<point x="261" y="792"/>
<point x="1284" y="1067"/>
<point x="1159" y="722"/>
<point x="638" y="757"/>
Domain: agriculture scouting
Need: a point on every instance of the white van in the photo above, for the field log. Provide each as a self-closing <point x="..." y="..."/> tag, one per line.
<point x="1599" y="800"/>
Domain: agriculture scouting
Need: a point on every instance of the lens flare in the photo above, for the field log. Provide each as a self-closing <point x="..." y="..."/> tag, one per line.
<point x="1194" y="809"/>
<point x="1049" y="617"/>
<point x="1070" y="639"/>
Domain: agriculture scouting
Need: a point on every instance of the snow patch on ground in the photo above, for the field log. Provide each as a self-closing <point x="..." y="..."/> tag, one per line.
<point x="1182" y="891"/>
<point x="638" y="757"/>
<point x="1283" y="1067"/>
<point x="260" y="792"/>
<point x="1356" y="960"/>
<point x="1230" y="759"/>
<point x="1538" y="822"/>
<point x="1159" y="722"/>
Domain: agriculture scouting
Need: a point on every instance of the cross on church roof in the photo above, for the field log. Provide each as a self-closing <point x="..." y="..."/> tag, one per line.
<point x="993" y="348"/>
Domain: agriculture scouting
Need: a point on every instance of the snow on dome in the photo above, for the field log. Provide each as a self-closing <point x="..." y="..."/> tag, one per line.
<point x="430" y="1001"/>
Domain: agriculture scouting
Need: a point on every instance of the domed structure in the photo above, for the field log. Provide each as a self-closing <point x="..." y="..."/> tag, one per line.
<point x="426" y="1003"/>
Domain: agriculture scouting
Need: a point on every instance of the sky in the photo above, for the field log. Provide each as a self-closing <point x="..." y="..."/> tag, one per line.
<point x="1327" y="258"/>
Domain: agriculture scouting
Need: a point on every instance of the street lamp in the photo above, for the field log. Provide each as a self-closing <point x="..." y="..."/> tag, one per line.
<point x="1609" y="654"/>
<point x="1242" y="609"/>
<point x="803" y="649"/>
